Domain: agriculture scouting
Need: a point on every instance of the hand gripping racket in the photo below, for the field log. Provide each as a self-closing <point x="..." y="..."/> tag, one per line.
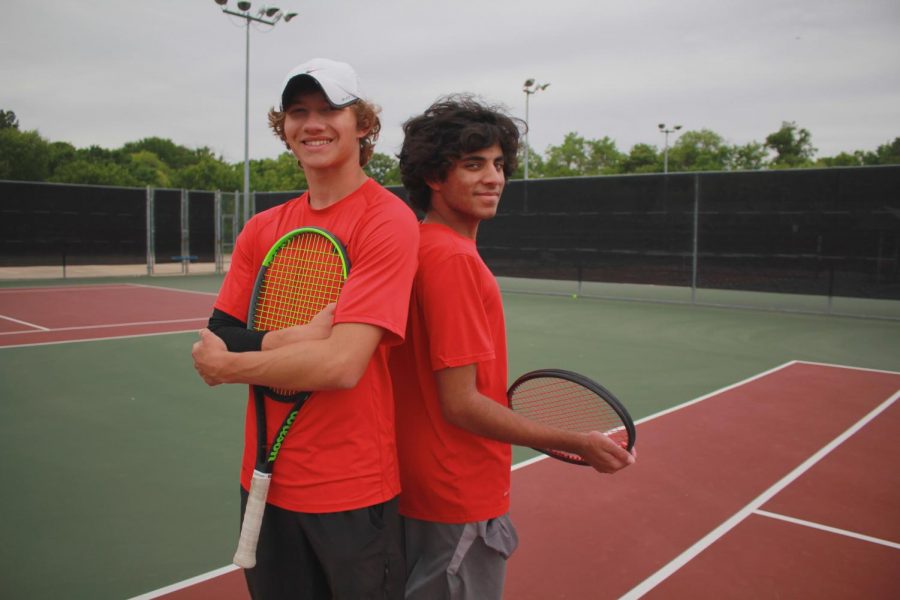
<point x="302" y="273"/>
<point x="572" y="402"/>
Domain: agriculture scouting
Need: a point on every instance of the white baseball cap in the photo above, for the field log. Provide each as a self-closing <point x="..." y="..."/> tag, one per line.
<point x="338" y="81"/>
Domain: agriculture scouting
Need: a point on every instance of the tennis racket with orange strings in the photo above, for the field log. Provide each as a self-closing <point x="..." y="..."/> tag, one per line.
<point x="303" y="272"/>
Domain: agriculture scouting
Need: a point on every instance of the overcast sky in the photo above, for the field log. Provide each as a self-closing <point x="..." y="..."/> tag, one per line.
<point x="107" y="72"/>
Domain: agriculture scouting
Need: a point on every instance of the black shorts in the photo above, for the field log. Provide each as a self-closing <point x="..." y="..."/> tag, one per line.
<point x="350" y="555"/>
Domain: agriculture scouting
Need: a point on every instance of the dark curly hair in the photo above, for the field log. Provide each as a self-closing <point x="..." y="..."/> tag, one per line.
<point x="449" y="129"/>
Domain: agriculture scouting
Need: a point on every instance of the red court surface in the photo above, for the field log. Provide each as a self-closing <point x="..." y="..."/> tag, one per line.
<point x="42" y="315"/>
<point x="785" y="485"/>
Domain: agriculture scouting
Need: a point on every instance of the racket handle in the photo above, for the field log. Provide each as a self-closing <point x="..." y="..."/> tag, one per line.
<point x="245" y="556"/>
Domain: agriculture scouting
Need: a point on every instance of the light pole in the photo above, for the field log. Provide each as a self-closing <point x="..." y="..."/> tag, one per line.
<point x="530" y="88"/>
<point x="662" y="128"/>
<point x="267" y="15"/>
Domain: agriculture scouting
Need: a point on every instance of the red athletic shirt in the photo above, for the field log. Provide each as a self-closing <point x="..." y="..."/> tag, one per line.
<point x="449" y="475"/>
<point x="340" y="453"/>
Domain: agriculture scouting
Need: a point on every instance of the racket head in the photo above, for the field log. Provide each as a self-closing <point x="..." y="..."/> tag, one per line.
<point x="303" y="272"/>
<point x="572" y="402"/>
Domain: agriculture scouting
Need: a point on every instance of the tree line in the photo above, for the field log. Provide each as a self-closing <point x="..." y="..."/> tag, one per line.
<point x="159" y="162"/>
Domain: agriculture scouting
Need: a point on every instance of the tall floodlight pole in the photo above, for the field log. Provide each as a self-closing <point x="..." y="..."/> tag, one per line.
<point x="267" y="15"/>
<point x="530" y="88"/>
<point x="666" y="131"/>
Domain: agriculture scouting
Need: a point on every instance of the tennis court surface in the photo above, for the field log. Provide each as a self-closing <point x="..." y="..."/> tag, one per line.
<point x="776" y="487"/>
<point x="758" y="475"/>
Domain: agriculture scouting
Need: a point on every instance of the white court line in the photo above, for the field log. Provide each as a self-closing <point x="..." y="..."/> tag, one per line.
<point x="682" y="559"/>
<point x="64" y="288"/>
<point x="186" y="583"/>
<point x="171" y="289"/>
<point x="97" y="339"/>
<point x="20" y="322"/>
<point x="109" y="326"/>
<point x="819" y="526"/>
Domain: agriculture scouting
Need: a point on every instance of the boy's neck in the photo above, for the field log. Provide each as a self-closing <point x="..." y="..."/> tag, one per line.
<point x="329" y="186"/>
<point x="465" y="227"/>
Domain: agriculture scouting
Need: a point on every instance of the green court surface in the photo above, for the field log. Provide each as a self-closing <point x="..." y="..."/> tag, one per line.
<point x="120" y="465"/>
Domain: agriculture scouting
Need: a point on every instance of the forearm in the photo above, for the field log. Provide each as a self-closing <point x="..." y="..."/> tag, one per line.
<point x="337" y="362"/>
<point x="464" y="406"/>
<point x="482" y="416"/>
<point x="234" y="332"/>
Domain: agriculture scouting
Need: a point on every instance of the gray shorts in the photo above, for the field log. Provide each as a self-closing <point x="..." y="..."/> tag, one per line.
<point x="465" y="561"/>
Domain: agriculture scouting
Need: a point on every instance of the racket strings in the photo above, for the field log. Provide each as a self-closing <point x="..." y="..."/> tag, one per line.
<point x="567" y="405"/>
<point x="304" y="276"/>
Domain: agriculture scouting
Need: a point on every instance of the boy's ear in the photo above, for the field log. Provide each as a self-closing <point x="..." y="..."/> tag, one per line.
<point x="433" y="184"/>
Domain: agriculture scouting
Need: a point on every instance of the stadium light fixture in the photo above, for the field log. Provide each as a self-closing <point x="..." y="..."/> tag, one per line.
<point x="667" y="131"/>
<point x="267" y="16"/>
<point x="530" y="88"/>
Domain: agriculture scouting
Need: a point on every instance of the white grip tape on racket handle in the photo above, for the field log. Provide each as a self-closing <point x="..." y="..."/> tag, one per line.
<point x="245" y="556"/>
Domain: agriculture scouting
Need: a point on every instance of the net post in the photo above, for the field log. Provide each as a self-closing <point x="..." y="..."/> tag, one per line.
<point x="236" y="221"/>
<point x="185" y="232"/>
<point x="151" y="250"/>
<point x="217" y="228"/>
<point x="830" y="285"/>
<point x="695" y="243"/>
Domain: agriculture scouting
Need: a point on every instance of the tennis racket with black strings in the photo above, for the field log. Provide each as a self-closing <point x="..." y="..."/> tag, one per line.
<point x="303" y="272"/>
<point x="571" y="402"/>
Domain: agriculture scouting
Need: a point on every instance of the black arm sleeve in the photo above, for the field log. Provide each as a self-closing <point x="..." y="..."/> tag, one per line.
<point x="234" y="332"/>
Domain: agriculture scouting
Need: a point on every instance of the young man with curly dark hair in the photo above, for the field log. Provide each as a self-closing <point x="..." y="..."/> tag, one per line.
<point x="454" y="425"/>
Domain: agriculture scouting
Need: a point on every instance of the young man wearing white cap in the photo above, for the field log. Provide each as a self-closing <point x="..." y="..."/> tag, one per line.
<point x="331" y="528"/>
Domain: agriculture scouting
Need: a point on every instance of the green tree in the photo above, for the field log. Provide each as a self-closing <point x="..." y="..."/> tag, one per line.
<point x="604" y="157"/>
<point x="8" y="120"/>
<point x="536" y="165"/>
<point x="580" y="156"/>
<point x="173" y="155"/>
<point x="83" y="170"/>
<point x="844" y="159"/>
<point x="384" y="169"/>
<point x="567" y="159"/>
<point x="643" y="158"/>
<point x="277" y="175"/>
<point x="148" y="169"/>
<point x="24" y="155"/>
<point x="703" y="150"/>
<point x="749" y="157"/>
<point x="885" y="154"/>
<point x="792" y="146"/>
<point x="209" y="173"/>
<point x="60" y="154"/>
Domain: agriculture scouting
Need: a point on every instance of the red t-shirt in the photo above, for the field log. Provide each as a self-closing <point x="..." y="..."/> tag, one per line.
<point x="340" y="453"/>
<point x="447" y="474"/>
